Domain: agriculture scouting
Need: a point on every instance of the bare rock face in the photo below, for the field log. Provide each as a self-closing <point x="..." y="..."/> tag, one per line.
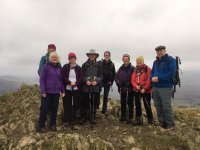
<point x="19" y="113"/>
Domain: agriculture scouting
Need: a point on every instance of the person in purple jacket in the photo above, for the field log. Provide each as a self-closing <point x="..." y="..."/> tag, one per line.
<point x="51" y="87"/>
<point x="125" y="88"/>
<point x="72" y="75"/>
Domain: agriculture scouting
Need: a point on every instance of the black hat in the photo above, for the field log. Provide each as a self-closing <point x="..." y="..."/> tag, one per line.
<point x="160" y="48"/>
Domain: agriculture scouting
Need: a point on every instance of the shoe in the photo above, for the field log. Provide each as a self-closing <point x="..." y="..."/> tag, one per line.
<point x="42" y="130"/>
<point x="94" y="121"/>
<point x="104" y="112"/>
<point x="83" y="121"/>
<point x="138" y="121"/>
<point x="129" y="121"/>
<point x="53" y="128"/>
<point x="170" y="129"/>
<point x="150" y="121"/>
<point x="122" y="119"/>
<point x="163" y="125"/>
<point x="66" y="124"/>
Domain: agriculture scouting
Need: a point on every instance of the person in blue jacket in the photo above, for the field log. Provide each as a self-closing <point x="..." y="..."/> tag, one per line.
<point x="162" y="75"/>
<point x="45" y="59"/>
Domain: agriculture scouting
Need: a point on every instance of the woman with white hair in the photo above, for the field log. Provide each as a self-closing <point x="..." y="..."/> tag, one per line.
<point x="51" y="87"/>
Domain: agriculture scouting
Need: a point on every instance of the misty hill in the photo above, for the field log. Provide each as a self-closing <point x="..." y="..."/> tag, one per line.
<point x="186" y="96"/>
<point x="18" y="123"/>
<point x="12" y="83"/>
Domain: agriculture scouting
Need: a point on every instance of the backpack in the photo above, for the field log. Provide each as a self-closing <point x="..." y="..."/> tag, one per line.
<point x="177" y="80"/>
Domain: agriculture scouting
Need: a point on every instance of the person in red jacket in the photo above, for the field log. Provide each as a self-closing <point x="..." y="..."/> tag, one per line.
<point x="142" y="87"/>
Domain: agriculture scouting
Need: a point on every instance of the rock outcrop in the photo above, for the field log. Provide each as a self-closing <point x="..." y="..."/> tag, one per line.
<point x="18" y="128"/>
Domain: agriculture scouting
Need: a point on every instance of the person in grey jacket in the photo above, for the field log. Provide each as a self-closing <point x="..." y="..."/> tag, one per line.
<point x="92" y="78"/>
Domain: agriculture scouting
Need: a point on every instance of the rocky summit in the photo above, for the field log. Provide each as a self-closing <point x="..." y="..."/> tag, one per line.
<point x="18" y="128"/>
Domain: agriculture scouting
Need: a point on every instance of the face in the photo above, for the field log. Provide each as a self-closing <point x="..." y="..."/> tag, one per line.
<point x="54" y="59"/>
<point x="107" y="56"/>
<point x="126" y="60"/>
<point x="92" y="57"/>
<point x="51" y="50"/>
<point x="139" y="62"/>
<point x="160" y="53"/>
<point x="72" y="60"/>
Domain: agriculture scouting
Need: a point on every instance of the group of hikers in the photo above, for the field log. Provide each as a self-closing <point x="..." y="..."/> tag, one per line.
<point x="83" y="84"/>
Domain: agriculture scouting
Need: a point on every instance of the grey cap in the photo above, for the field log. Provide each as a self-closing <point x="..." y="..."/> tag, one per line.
<point x="160" y="48"/>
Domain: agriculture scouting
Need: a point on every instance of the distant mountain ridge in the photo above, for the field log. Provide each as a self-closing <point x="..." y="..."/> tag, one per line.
<point x="186" y="96"/>
<point x="12" y="83"/>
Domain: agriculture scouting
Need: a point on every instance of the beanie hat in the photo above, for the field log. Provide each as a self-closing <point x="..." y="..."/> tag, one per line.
<point x="71" y="54"/>
<point x="140" y="58"/>
<point x="51" y="46"/>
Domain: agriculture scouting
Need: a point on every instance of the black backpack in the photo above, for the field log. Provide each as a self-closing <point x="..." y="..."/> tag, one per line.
<point x="177" y="80"/>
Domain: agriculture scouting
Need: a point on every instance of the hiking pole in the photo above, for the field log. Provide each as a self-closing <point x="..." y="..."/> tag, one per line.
<point x="127" y="108"/>
<point x="140" y="95"/>
<point x="93" y="109"/>
<point x="72" y="99"/>
<point x="90" y="103"/>
<point x="149" y="108"/>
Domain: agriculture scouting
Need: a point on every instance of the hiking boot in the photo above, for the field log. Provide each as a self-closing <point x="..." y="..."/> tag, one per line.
<point x="170" y="129"/>
<point x="53" y="128"/>
<point x="150" y="121"/>
<point x="163" y="125"/>
<point x="66" y="124"/>
<point x="129" y="121"/>
<point x="122" y="119"/>
<point x="83" y="121"/>
<point x="42" y="130"/>
<point x="104" y="112"/>
<point x="138" y="121"/>
<point x="94" y="121"/>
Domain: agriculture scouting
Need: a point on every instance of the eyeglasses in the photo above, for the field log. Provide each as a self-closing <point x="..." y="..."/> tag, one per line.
<point x="72" y="58"/>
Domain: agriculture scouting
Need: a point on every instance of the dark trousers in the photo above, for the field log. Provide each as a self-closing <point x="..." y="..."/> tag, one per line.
<point x="147" y="104"/>
<point x="50" y="101"/>
<point x="70" y="102"/>
<point x="127" y="99"/>
<point x="106" y="88"/>
<point x="89" y="104"/>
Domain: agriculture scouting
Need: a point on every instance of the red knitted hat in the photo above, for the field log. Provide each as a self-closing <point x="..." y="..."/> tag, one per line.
<point x="71" y="54"/>
<point x="51" y="46"/>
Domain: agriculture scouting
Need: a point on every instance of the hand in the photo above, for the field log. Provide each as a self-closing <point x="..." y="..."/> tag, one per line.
<point x="62" y="94"/>
<point x="142" y="91"/>
<point x="109" y="83"/>
<point x="73" y="84"/>
<point x="43" y="95"/>
<point x="138" y="87"/>
<point x="155" y="79"/>
<point x="88" y="83"/>
<point x="94" y="83"/>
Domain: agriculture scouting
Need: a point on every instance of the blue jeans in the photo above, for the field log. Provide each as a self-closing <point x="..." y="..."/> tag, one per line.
<point x="50" y="101"/>
<point x="162" y="102"/>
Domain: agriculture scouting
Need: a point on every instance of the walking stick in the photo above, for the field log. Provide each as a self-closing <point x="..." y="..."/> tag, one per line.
<point x="72" y="117"/>
<point x="90" y="103"/>
<point x="139" y="92"/>
<point x="127" y="108"/>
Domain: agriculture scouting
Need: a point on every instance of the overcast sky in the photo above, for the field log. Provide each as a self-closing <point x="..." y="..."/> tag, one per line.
<point x="135" y="27"/>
